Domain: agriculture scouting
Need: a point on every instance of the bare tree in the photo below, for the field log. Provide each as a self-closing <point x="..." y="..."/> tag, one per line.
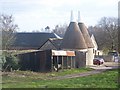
<point x="110" y="26"/>
<point x="47" y="29"/>
<point x="8" y="29"/>
<point x="60" y="29"/>
<point x="106" y="33"/>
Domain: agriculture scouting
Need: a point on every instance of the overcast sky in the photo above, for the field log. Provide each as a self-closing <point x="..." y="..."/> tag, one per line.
<point x="36" y="14"/>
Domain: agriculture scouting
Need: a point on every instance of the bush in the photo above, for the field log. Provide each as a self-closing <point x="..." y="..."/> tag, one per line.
<point x="9" y="62"/>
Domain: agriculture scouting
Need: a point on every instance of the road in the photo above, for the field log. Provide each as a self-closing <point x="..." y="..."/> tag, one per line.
<point x="106" y="66"/>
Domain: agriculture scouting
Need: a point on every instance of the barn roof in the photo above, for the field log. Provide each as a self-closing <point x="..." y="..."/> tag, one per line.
<point x="73" y="38"/>
<point x="55" y="41"/>
<point x="86" y="35"/>
<point x="34" y="40"/>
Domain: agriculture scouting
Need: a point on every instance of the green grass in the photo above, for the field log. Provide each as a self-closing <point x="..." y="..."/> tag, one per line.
<point x="70" y="71"/>
<point x="108" y="79"/>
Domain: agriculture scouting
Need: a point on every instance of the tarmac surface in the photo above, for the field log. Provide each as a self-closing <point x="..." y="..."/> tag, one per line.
<point x="106" y="66"/>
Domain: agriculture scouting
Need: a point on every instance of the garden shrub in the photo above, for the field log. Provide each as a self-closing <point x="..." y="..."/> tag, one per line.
<point x="9" y="62"/>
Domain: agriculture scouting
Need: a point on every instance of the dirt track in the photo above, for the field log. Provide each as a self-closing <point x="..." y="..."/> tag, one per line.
<point x="97" y="69"/>
<point x="79" y="75"/>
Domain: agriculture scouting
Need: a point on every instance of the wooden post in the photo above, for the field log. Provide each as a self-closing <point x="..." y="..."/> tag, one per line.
<point x="71" y="62"/>
<point x="57" y="63"/>
<point x="74" y="62"/>
<point x="62" y="62"/>
<point x="51" y="63"/>
<point x="67" y="62"/>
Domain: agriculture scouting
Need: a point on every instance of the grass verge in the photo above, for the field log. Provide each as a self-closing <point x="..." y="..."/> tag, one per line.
<point x="108" y="79"/>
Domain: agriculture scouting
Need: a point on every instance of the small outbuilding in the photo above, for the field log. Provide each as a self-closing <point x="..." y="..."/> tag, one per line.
<point x="47" y="60"/>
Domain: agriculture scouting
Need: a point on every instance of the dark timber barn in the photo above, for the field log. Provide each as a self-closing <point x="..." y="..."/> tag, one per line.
<point x="47" y="60"/>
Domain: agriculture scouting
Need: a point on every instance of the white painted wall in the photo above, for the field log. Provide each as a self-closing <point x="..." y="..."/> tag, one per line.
<point x="94" y="42"/>
<point x="89" y="57"/>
